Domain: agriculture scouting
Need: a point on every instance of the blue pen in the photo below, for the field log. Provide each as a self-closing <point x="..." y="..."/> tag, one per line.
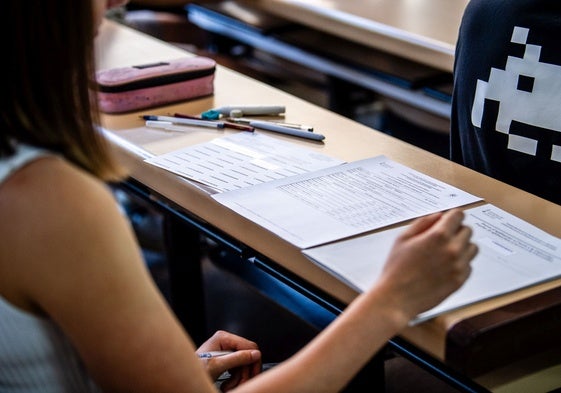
<point x="213" y="354"/>
<point x="286" y="130"/>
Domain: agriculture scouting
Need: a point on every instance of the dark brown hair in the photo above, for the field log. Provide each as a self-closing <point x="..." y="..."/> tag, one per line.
<point x="48" y="86"/>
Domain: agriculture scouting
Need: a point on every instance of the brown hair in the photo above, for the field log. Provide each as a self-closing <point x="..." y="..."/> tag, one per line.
<point x="48" y="86"/>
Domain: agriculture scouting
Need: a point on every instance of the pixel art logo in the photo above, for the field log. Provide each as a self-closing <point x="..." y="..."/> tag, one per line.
<point x="527" y="91"/>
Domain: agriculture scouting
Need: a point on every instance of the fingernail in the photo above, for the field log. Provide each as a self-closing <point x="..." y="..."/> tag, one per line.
<point x="255" y="355"/>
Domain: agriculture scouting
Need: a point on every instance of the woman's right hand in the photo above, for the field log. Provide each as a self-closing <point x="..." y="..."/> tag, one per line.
<point x="243" y="363"/>
<point x="428" y="262"/>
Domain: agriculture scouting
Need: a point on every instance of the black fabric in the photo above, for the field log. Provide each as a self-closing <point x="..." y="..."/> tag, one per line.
<point x="512" y="47"/>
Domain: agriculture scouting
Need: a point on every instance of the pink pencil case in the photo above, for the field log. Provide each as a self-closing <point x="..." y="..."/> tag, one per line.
<point x="144" y="86"/>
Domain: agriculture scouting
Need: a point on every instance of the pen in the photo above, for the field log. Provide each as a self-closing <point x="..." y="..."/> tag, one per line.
<point x="213" y="354"/>
<point x="278" y="123"/>
<point x="190" y="122"/>
<point x="293" y="125"/>
<point x="286" y="130"/>
<point x="240" y="127"/>
<point x="227" y="124"/>
<point x="167" y="126"/>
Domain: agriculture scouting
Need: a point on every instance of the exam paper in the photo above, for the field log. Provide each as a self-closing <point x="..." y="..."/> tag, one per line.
<point x="241" y="160"/>
<point x="513" y="254"/>
<point x="338" y="202"/>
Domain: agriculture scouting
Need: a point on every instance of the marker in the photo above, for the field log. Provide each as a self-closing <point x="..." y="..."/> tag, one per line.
<point x="190" y="122"/>
<point x="213" y="354"/>
<point x="244" y="110"/>
<point x="227" y="124"/>
<point x="286" y="130"/>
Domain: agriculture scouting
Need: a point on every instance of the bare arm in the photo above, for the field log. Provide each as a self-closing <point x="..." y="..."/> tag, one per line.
<point x="428" y="262"/>
<point x="79" y="263"/>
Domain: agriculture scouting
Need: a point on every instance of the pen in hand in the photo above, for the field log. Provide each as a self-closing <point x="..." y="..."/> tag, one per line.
<point x="213" y="354"/>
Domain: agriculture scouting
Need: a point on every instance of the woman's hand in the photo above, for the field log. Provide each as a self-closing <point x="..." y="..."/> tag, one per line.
<point x="428" y="262"/>
<point x="242" y="364"/>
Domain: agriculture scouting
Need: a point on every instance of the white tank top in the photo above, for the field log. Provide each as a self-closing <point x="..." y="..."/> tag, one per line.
<point x="35" y="355"/>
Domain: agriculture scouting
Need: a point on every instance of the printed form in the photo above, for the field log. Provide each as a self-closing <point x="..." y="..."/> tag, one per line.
<point x="342" y="201"/>
<point x="241" y="160"/>
<point x="513" y="254"/>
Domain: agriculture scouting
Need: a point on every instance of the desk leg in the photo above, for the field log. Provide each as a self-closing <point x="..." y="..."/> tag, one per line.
<point x="345" y="97"/>
<point x="184" y="253"/>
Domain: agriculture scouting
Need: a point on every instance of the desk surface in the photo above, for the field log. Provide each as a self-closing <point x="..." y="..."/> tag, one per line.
<point x="345" y="139"/>
<point x="421" y="30"/>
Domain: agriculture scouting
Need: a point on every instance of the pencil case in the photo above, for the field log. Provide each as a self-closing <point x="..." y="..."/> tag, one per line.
<point x="144" y="86"/>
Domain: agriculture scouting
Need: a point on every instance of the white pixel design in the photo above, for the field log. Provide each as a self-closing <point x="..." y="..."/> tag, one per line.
<point x="540" y="108"/>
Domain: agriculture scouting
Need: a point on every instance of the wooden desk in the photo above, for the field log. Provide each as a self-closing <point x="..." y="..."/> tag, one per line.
<point x="345" y="139"/>
<point x="424" y="31"/>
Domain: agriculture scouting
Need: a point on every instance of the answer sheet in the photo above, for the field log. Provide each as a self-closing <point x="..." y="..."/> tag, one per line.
<point x="241" y="160"/>
<point x="513" y="254"/>
<point x="337" y="202"/>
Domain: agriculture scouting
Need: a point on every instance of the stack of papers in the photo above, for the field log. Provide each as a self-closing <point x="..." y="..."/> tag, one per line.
<point x="242" y="160"/>
<point x="334" y="203"/>
<point x="316" y="202"/>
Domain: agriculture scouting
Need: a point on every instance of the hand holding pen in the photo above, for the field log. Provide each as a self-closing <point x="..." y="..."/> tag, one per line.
<point x="228" y="352"/>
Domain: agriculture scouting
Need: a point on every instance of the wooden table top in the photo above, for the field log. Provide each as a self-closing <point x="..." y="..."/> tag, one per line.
<point x="345" y="139"/>
<point x="424" y="31"/>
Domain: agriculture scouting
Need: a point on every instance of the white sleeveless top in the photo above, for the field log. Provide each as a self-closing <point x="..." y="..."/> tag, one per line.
<point x="35" y="356"/>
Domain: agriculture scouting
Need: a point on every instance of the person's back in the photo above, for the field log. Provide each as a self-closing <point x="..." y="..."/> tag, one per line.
<point x="506" y="120"/>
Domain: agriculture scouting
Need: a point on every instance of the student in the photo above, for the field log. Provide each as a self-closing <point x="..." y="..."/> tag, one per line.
<point x="506" y="120"/>
<point x="78" y="310"/>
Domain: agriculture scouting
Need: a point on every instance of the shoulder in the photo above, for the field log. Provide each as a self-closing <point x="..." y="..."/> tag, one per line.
<point x="53" y="215"/>
<point x="54" y="190"/>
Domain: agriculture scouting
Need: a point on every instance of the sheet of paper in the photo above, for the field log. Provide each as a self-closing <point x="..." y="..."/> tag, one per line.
<point x="337" y="202"/>
<point x="513" y="254"/>
<point x="241" y="160"/>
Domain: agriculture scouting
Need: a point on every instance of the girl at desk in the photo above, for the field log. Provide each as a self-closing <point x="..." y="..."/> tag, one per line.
<point x="78" y="309"/>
